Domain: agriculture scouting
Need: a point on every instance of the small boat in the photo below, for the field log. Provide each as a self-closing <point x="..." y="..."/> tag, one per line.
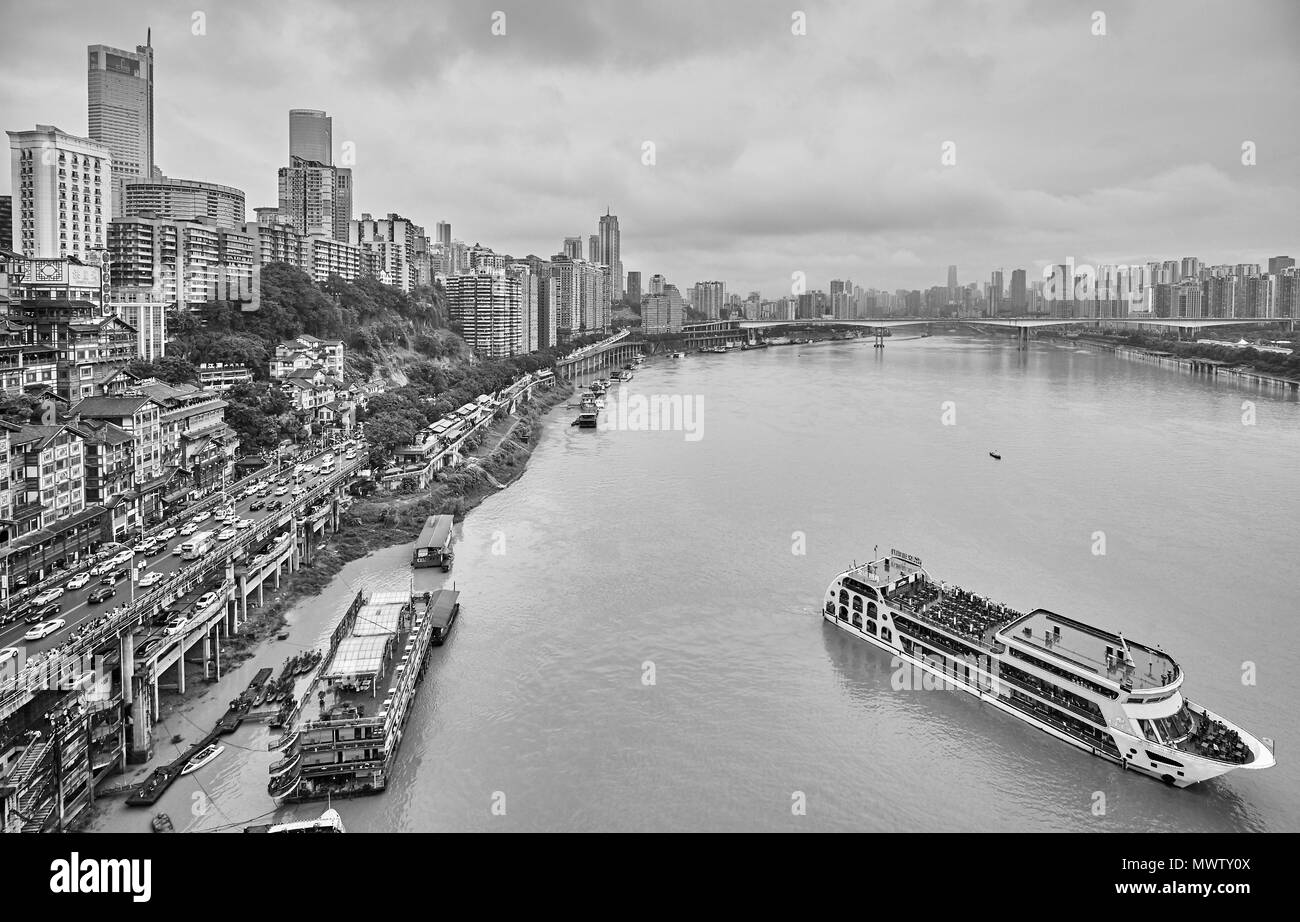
<point x="162" y="823"/>
<point x="261" y="696"/>
<point x="995" y="456"/>
<point x="202" y="758"/>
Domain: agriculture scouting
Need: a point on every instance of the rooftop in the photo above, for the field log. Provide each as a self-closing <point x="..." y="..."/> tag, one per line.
<point x="1086" y="646"/>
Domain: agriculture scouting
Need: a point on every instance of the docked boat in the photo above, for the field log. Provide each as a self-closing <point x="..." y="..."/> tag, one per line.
<point x="678" y="355"/>
<point x="587" y="419"/>
<point x="202" y="758"/>
<point x="162" y="823"/>
<point x="346" y="737"/>
<point x="1090" y="687"/>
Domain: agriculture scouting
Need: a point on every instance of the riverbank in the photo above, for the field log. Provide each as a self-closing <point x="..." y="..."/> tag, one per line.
<point x="369" y="525"/>
<point x="1194" y="365"/>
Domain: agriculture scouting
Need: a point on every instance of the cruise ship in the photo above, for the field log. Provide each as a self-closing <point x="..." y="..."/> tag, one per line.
<point x="1095" y="689"/>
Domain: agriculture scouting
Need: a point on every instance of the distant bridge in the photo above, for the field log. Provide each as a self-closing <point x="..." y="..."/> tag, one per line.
<point x="1023" y="325"/>
<point x="1184" y="323"/>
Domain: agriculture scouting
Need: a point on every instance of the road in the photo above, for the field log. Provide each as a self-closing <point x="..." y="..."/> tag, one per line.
<point x="75" y="607"/>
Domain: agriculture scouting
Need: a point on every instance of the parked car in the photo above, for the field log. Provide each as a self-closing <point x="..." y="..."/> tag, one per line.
<point x="45" y="629"/>
<point x="102" y="594"/>
<point x="49" y="595"/>
<point x="149" y="579"/>
<point x="78" y="581"/>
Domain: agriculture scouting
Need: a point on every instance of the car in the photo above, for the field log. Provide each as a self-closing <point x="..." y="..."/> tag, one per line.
<point x="205" y="600"/>
<point x="79" y="581"/>
<point x="253" y="507"/>
<point x="264" y="489"/>
<point x="122" y="557"/>
<point x="148" y="647"/>
<point x="225" y="534"/>
<point x="112" y="577"/>
<point x="102" y="594"/>
<point x="45" y="629"/>
<point x="281" y="490"/>
<point x="142" y="547"/>
<point x="100" y="569"/>
<point x="49" y="595"/>
<point x="149" y="579"/>
<point x="45" y="612"/>
<point x="242" y="524"/>
<point x="21" y="581"/>
<point x="167" y="534"/>
<point x="274" y="506"/>
<point x="14" y="613"/>
<point x="299" y="491"/>
<point x="188" y="529"/>
<point x="201" y="517"/>
<point x="175" y="626"/>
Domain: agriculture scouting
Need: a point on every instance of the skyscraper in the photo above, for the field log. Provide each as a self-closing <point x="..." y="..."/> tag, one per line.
<point x="996" y="290"/>
<point x="1018" y="299"/>
<point x="443" y="233"/>
<point x="64" y="193"/>
<point x="593" y="249"/>
<point x="634" y="287"/>
<point x="6" y="222"/>
<point x="573" y="247"/>
<point x="610" y="252"/>
<point x="311" y="136"/>
<point x="119" y="93"/>
<point x="1277" y="263"/>
<point x="952" y="284"/>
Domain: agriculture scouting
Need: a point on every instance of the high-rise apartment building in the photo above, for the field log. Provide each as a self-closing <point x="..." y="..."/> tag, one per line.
<point x="634" y="287"/>
<point x="593" y="249"/>
<point x="6" y="222"/>
<point x="311" y="136"/>
<point x="63" y="193"/>
<point x="183" y="199"/>
<point x="119" y="92"/>
<point x="486" y="304"/>
<point x="1019" y="301"/>
<point x="1277" y="263"/>
<point x="393" y="242"/>
<point x="709" y="298"/>
<point x="952" y="284"/>
<point x="443" y="235"/>
<point x="573" y="247"/>
<point x="316" y="198"/>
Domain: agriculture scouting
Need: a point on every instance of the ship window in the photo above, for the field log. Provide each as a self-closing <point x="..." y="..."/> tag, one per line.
<point x="871" y="627"/>
<point x="857" y="603"/>
<point x="844" y="597"/>
<point x="871" y="609"/>
<point x="830" y="608"/>
<point x="857" y="620"/>
<point x="844" y="613"/>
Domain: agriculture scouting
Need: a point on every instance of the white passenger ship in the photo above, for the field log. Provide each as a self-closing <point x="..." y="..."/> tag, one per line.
<point x="1095" y="689"/>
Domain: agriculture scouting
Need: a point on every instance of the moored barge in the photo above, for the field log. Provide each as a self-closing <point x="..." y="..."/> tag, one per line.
<point x="346" y="738"/>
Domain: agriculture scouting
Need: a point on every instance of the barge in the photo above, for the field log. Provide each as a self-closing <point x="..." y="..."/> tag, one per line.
<point x="433" y="547"/>
<point x="1092" y="688"/>
<point x="344" y="742"/>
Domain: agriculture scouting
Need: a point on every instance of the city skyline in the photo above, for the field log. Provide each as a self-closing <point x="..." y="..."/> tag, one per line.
<point x="750" y="198"/>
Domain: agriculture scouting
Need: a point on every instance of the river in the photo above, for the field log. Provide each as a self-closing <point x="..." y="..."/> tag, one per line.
<point x="641" y="648"/>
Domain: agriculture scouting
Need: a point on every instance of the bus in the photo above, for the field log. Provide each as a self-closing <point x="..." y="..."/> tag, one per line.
<point x="198" y="545"/>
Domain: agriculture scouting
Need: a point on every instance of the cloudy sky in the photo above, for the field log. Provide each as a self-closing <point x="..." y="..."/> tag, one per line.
<point x="774" y="152"/>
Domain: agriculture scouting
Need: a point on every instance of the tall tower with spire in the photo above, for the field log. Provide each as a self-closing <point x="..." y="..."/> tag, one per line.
<point x="119" y="96"/>
<point x="610" y="253"/>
